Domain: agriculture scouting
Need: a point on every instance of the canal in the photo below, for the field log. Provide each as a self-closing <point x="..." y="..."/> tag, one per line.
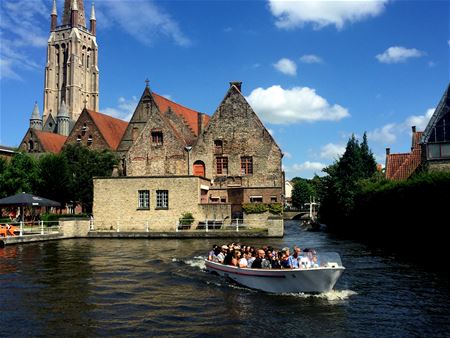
<point x="88" y="288"/>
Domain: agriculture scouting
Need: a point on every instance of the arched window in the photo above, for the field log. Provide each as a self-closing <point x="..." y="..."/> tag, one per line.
<point x="199" y="168"/>
<point x="30" y="145"/>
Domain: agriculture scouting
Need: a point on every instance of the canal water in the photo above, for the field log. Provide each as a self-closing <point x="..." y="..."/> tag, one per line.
<point x="88" y="288"/>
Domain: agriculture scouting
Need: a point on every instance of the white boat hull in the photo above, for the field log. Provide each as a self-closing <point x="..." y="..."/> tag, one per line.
<point x="312" y="280"/>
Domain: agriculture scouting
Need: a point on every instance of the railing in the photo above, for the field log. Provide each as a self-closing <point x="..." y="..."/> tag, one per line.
<point x="33" y="228"/>
<point x="181" y="225"/>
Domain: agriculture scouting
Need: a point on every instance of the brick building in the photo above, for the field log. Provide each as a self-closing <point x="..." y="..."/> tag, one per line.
<point x="175" y="160"/>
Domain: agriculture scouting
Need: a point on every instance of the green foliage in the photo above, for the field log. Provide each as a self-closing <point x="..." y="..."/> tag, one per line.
<point x="275" y="208"/>
<point x="342" y="183"/>
<point x="302" y="192"/>
<point x="54" y="178"/>
<point x="84" y="164"/>
<point x="20" y="175"/>
<point x="186" y="218"/>
<point x="55" y="217"/>
<point x="259" y="208"/>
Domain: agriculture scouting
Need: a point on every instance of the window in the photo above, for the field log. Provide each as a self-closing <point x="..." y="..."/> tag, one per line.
<point x="83" y="129"/>
<point x="445" y="150"/>
<point x="218" y="147"/>
<point x="256" y="199"/>
<point x="438" y="150"/>
<point x="222" y="165"/>
<point x="162" y="199"/>
<point x="89" y="141"/>
<point x="246" y="165"/>
<point x="79" y="139"/>
<point x="144" y="199"/>
<point x="157" y="138"/>
<point x="273" y="199"/>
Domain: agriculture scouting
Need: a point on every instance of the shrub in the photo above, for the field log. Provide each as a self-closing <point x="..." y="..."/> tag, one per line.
<point x="186" y="218"/>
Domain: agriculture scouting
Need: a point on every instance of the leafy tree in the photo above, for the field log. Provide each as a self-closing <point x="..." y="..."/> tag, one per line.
<point x="54" y="178"/>
<point x="302" y="192"/>
<point x="21" y="175"/>
<point x="84" y="164"/>
<point x="341" y="185"/>
<point x="3" y="167"/>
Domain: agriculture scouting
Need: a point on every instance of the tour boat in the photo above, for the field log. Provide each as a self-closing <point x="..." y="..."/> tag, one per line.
<point x="317" y="279"/>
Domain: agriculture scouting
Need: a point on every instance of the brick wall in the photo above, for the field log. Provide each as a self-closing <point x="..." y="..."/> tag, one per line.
<point x="91" y="131"/>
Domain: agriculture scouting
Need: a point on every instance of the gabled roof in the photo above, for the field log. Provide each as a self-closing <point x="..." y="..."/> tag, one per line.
<point x="402" y="166"/>
<point x="50" y="142"/>
<point x="442" y="109"/>
<point x="111" y="128"/>
<point x="190" y="116"/>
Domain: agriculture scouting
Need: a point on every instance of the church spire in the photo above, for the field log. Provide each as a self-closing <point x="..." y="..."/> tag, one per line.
<point x="69" y="7"/>
<point x="74" y="12"/>
<point x="54" y="17"/>
<point x="93" y="20"/>
<point x="35" y="120"/>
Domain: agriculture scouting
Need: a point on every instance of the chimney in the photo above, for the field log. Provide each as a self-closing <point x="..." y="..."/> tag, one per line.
<point x="237" y="84"/>
<point x="388" y="151"/>
<point x="413" y="129"/>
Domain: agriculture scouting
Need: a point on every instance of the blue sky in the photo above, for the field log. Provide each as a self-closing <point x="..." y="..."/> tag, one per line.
<point x="314" y="71"/>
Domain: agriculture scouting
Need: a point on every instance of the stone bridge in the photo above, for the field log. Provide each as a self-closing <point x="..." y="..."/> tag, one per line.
<point x="297" y="214"/>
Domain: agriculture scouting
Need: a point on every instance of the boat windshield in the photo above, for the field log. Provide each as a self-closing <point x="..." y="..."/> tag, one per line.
<point x="329" y="259"/>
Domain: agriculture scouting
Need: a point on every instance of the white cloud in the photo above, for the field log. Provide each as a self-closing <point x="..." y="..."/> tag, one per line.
<point x="385" y="134"/>
<point x="321" y="13"/>
<point x="332" y="151"/>
<point x="397" y="54"/>
<point x="311" y="58"/>
<point x="124" y="110"/>
<point x="420" y="121"/>
<point x="21" y="34"/>
<point x="287" y="154"/>
<point x="286" y="66"/>
<point x="299" y="104"/>
<point x="146" y="27"/>
<point x="306" y="169"/>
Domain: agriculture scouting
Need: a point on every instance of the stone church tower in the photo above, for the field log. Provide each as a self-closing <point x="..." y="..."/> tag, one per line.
<point x="71" y="72"/>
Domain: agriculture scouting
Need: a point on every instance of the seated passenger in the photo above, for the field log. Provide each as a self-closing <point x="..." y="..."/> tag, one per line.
<point x="276" y="260"/>
<point x="228" y="257"/>
<point x="284" y="262"/>
<point x="304" y="262"/>
<point x="211" y="253"/>
<point x="243" y="262"/>
<point x="250" y="259"/>
<point x="266" y="263"/>
<point x="236" y="257"/>
<point x="257" y="263"/>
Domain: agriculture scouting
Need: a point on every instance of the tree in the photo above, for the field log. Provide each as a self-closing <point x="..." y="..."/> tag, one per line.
<point x="341" y="185"/>
<point x="84" y="164"/>
<point x="302" y="193"/>
<point x="20" y="175"/>
<point x="54" y="178"/>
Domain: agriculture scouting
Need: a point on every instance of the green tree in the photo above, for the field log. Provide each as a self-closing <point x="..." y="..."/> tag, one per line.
<point x="302" y="192"/>
<point x="84" y="164"/>
<point x="21" y="175"/>
<point x="3" y="167"/>
<point x="341" y="185"/>
<point x="54" y="178"/>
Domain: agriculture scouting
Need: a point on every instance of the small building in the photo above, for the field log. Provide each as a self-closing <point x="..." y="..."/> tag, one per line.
<point x="430" y="149"/>
<point x="38" y="142"/>
<point x="7" y="152"/>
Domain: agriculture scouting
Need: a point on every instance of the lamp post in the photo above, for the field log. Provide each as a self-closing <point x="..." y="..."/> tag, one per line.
<point x="188" y="149"/>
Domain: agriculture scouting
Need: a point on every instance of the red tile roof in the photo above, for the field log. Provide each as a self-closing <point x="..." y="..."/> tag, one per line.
<point x="111" y="128"/>
<point x="190" y="116"/>
<point x="402" y="166"/>
<point x="50" y="142"/>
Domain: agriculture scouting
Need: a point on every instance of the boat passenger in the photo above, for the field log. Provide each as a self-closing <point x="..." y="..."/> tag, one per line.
<point x="304" y="262"/>
<point x="275" y="262"/>
<point x="284" y="262"/>
<point x="228" y="257"/>
<point x="257" y="263"/>
<point x="250" y="259"/>
<point x="236" y="258"/>
<point x="293" y="259"/>
<point x="222" y="253"/>
<point x="212" y="253"/>
<point x="266" y="264"/>
<point x="243" y="261"/>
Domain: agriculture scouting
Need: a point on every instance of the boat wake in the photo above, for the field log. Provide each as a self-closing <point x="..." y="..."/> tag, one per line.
<point x="195" y="262"/>
<point x="331" y="296"/>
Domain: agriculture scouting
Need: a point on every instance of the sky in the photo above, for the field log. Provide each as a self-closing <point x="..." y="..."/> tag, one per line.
<point x="315" y="72"/>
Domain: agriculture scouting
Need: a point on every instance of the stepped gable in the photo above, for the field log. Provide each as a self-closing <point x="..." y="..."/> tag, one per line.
<point x="50" y="142"/>
<point x="111" y="128"/>
<point x="190" y="116"/>
<point x="402" y="166"/>
<point x="393" y="162"/>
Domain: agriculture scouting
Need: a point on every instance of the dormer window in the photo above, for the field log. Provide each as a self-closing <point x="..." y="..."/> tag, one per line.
<point x="157" y="138"/>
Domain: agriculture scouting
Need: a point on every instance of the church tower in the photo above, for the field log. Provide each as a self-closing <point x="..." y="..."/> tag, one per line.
<point x="71" y="72"/>
<point x="35" y="120"/>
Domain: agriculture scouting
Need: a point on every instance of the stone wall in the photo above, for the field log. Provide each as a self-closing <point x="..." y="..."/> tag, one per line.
<point x="116" y="202"/>
<point x="74" y="227"/>
<point x="438" y="166"/>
